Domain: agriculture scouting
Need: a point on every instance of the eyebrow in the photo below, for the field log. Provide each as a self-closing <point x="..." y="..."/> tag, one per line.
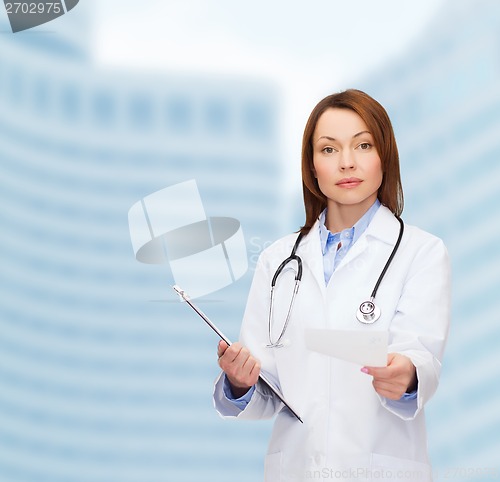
<point x="333" y="138"/>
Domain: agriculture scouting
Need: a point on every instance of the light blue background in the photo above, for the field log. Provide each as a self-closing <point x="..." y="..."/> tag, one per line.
<point x="103" y="375"/>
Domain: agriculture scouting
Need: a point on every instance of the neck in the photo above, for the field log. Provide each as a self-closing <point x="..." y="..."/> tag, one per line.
<point x="341" y="216"/>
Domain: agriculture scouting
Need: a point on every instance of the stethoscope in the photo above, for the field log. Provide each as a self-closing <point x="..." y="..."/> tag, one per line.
<point x="367" y="313"/>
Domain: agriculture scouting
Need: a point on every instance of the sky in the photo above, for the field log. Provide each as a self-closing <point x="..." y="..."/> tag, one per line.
<point x="308" y="49"/>
<point x="323" y="41"/>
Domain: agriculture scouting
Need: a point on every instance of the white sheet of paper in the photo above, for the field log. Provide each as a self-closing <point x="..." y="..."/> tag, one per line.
<point x="366" y="348"/>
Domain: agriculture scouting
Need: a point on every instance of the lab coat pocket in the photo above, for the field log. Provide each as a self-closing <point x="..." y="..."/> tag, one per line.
<point x="401" y="470"/>
<point x="272" y="467"/>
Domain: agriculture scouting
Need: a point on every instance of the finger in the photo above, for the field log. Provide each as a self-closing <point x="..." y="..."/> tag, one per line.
<point x="245" y="376"/>
<point x="221" y="348"/>
<point x="234" y="359"/>
<point x="251" y="366"/>
<point x="227" y="354"/>
<point x="389" y="386"/>
<point x="254" y="373"/>
<point x="242" y="358"/>
<point x="232" y="352"/>
<point x="391" y="357"/>
<point x="384" y="373"/>
<point x="391" y="395"/>
<point x="401" y="371"/>
<point x="386" y="391"/>
<point x="393" y="391"/>
<point x="251" y="371"/>
<point x="245" y="371"/>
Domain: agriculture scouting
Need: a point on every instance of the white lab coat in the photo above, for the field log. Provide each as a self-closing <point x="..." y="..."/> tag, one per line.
<point x="349" y="433"/>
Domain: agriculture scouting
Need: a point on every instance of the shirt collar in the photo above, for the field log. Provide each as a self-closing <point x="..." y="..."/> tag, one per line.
<point x="355" y="232"/>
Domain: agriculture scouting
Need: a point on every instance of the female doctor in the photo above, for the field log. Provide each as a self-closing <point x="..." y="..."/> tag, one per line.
<point x="359" y="423"/>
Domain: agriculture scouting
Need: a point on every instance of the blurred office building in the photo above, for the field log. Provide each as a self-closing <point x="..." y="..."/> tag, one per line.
<point x="444" y="100"/>
<point x="103" y="374"/>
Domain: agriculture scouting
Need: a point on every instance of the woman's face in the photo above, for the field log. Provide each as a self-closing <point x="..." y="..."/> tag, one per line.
<point x="346" y="162"/>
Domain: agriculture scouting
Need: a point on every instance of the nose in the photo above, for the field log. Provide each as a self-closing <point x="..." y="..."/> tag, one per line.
<point x="346" y="160"/>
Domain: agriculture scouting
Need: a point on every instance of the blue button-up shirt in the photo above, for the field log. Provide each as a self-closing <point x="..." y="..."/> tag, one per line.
<point x="335" y="246"/>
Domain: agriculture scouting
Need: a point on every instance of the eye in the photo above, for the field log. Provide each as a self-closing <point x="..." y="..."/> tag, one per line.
<point x="365" y="146"/>
<point x="328" y="150"/>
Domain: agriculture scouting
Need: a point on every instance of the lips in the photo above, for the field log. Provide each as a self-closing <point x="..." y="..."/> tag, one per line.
<point x="349" y="182"/>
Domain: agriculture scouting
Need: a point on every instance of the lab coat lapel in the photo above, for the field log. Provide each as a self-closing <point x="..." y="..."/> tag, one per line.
<point x="383" y="227"/>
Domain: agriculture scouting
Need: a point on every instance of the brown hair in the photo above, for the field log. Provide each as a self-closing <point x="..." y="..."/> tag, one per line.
<point x="390" y="193"/>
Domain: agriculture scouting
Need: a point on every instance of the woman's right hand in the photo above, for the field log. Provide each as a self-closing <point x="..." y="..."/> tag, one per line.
<point x="241" y="368"/>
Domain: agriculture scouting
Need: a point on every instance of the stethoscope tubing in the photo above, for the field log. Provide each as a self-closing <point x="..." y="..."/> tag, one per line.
<point x="389" y="260"/>
<point x="364" y="315"/>
<point x="298" y="278"/>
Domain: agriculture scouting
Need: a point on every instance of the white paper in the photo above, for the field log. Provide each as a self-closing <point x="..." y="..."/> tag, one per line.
<point x="366" y="348"/>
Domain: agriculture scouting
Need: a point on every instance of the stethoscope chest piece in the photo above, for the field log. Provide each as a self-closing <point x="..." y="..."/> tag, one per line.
<point x="368" y="312"/>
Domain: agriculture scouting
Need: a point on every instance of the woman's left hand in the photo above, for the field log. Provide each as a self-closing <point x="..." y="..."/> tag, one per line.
<point x="396" y="379"/>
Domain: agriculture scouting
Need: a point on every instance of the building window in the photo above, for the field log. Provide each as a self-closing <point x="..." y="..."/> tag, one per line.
<point x="15" y="87"/>
<point x="257" y="121"/>
<point x="41" y="96"/>
<point x="217" y="117"/>
<point x="70" y="102"/>
<point x="141" y="111"/>
<point x="179" y="115"/>
<point x="104" y="108"/>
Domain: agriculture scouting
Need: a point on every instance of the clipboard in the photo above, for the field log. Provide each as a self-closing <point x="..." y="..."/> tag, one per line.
<point x="262" y="378"/>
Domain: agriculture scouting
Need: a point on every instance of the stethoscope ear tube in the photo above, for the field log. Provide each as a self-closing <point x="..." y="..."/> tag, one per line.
<point x="292" y="257"/>
<point x="281" y="267"/>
